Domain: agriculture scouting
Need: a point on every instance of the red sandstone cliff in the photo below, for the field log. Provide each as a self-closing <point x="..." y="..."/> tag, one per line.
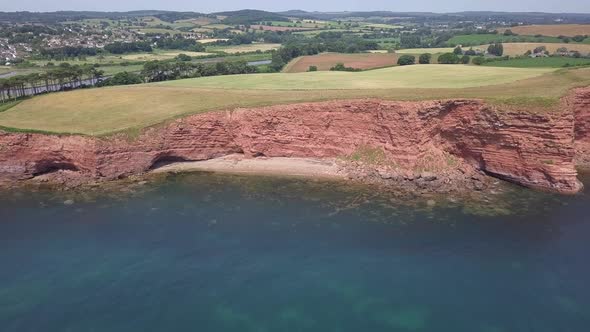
<point x="579" y="102"/>
<point x="534" y="150"/>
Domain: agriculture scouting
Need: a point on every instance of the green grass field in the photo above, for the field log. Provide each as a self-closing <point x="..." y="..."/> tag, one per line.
<point x="244" y="48"/>
<point x="5" y="69"/>
<point x="551" y="62"/>
<point x="128" y="108"/>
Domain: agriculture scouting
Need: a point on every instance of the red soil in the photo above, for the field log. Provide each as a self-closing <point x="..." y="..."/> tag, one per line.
<point x="325" y="61"/>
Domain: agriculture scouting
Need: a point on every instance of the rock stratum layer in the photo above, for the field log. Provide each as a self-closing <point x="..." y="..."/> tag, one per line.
<point x="536" y="150"/>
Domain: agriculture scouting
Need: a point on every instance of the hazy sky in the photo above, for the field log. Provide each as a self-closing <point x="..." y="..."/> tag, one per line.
<point x="570" y="6"/>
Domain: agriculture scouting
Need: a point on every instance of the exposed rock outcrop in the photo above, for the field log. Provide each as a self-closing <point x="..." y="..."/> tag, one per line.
<point x="579" y="102"/>
<point x="434" y="138"/>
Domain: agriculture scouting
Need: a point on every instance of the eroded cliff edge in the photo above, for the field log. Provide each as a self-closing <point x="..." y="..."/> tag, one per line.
<point x="444" y="139"/>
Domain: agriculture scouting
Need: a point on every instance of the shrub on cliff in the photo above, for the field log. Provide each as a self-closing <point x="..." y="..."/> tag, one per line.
<point x="406" y="60"/>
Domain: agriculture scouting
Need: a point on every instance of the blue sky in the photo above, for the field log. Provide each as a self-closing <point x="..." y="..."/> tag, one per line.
<point x="570" y="6"/>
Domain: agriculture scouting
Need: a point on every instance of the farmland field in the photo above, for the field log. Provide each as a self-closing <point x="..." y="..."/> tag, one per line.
<point x="112" y="70"/>
<point x="382" y="26"/>
<point x="415" y="77"/>
<point x="277" y="28"/>
<point x="477" y="39"/>
<point x="513" y="49"/>
<point x="159" y="31"/>
<point x="161" y="55"/>
<point x="217" y="26"/>
<point x="244" y="48"/>
<point x="107" y="110"/>
<point x="425" y="50"/>
<point x="199" y="21"/>
<point x="316" y="32"/>
<point x="326" y="61"/>
<point x="550" y="62"/>
<point x="114" y="59"/>
<point x="553" y="30"/>
<point x="211" y="40"/>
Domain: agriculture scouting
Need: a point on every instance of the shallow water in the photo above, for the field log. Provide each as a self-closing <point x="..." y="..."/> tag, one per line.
<point x="205" y="252"/>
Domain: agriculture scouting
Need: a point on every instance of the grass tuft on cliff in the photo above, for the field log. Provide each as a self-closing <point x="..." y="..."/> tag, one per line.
<point x="109" y="110"/>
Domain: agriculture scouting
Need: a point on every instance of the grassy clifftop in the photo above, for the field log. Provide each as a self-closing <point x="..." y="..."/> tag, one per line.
<point x="108" y="110"/>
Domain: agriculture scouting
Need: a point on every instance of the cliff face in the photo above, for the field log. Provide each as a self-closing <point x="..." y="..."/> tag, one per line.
<point x="534" y="150"/>
<point x="579" y="102"/>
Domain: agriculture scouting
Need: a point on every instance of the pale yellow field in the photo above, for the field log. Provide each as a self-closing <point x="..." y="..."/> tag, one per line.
<point x="514" y="49"/>
<point x="425" y="50"/>
<point x="161" y="56"/>
<point x="199" y="21"/>
<point x="213" y="40"/>
<point x="383" y="26"/>
<point x="160" y="31"/>
<point x="552" y="30"/>
<point x="415" y="77"/>
<point x="246" y="48"/>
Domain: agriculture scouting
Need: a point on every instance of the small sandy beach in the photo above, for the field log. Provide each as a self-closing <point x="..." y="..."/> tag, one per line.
<point x="279" y="166"/>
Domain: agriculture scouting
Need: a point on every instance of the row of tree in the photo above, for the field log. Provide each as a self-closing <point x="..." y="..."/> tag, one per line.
<point x="157" y="71"/>
<point x="67" y="52"/>
<point x="122" y="48"/>
<point x="176" y="43"/>
<point x="446" y="58"/>
<point x="324" y="42"/>
<point x="60" y="78"/>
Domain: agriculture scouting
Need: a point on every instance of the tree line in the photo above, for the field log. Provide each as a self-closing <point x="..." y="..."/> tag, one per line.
<point x="62" y="77"/>
<point x="157" y="71"/>
<point x="66" y="76"/>
<point x="323" y="42"/>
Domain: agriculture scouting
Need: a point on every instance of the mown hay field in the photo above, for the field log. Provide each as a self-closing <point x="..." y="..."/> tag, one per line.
<point x="161" y="55"/>
<point x="514" y="49"/>
<point x="553" y="30"/>
<point x="325" y="61"/>
<point x="415" y="77"/>
<point x="549" y="62"/>
<point x="263" y="47"/>
<point x="425" y="50"/>
<point x="105" y="111"/>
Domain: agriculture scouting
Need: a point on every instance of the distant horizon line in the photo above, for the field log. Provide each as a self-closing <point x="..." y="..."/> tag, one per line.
<point x="294" y="10"/>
